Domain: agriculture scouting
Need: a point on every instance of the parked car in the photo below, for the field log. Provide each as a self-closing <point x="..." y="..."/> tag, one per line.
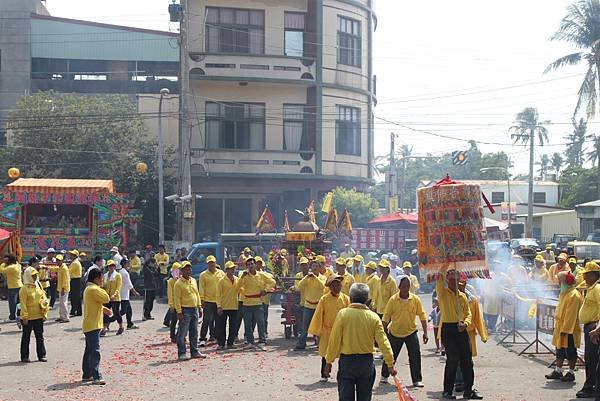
<point x="560" y="241"/>
<point x="584" y="250"/>
<point x="593" y="236"/>
<point x="519" y="243"/>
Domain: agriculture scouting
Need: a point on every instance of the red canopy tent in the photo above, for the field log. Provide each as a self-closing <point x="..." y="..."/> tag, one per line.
<point x="396" y="218"/>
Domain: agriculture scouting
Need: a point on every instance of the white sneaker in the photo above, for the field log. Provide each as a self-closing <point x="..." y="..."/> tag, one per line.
<point x="324" y="379"/>
<point x="202" y="344"/>
<point x="384" y="380"/>
<point x="262" y="347"/>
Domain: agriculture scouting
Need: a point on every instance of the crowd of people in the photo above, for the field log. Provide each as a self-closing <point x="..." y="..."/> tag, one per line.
<point x="354" y="307"/>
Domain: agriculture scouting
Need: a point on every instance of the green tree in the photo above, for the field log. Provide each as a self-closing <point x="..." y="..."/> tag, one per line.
<point x="578" y="186"/>
<point x="581" y="28"/>
<point x="527" y="127"/>
<point x="594" y="157"/>
<point x="556" y="161"/>
<point x="576" y="142"/>
<point x="98" y="137"/>
<point x="544" y="163"/>
<point x="361" y="206"/>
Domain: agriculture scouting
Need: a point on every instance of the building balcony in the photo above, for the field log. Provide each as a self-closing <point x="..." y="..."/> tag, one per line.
<point x="263" y="162"/>
<point x="103" y="86"/>
<point x="251" y="67"/>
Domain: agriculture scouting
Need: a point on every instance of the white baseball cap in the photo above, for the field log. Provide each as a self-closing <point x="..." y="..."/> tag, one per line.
<point x="385" y="256"/>
<point x="51" y="250"/>
<point x="394" y="257"/>
<point x="114" y="249"/>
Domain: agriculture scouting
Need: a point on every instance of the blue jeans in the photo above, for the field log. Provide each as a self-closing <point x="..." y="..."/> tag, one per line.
<point x="91" y="356"/>
<point x="254" y="316"/>
<point x="189" y="325"/>
<point x="356" y="376"/>
<point x="13" y="299"/>
<point x="307" y="315"/>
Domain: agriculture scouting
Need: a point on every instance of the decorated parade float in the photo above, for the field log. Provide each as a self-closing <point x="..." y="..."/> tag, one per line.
<point x="88" y="215"/>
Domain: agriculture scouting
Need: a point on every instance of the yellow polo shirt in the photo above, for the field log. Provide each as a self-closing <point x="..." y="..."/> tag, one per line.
<point x="162" y="260"/>
<point x="30" y="299"/>
<point x="207" y="285"/>
<point x="399" y="316"/>
<point x="13" y="275"/>
<point x="312" y="286"/>
<point x="136" y="264"/>
<point x="113" y="287"/>
<point x="75" y="269"/>
<point x="297" y="278"/>
<point x="454" y="307"/>
<point x="170" y="286"/>
<point x="385" y="290"/>
<point x="94" y="298"/>
<point x="185" y="294"/>
<point x="251" y="285"/>
<point x="63" y="281"/>
<point x="227" y="293"/>
<point x="347" y="281"/>
<point x="590" y="310"/>
<point x="355" y="331"/>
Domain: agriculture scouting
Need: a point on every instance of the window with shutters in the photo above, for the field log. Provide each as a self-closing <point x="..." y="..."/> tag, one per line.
<point x="230" y="30"/>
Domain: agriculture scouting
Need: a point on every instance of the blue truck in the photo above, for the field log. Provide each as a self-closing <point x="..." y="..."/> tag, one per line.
<point x="229" y="247"/>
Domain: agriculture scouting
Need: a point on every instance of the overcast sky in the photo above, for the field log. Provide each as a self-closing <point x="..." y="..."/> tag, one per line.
<point x="455" y="68"/>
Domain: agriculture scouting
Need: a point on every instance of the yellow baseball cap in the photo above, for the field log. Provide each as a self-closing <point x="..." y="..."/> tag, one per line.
<point x="229" y="265"/>
<point x="371" y="265"/>
<point x="359" y="258"/>
<point x="176" y="266"/>
<point x="74" y="252"/>
<point x="283" y="252"/>
<point x="540" y="258"/>
<point x="349" y="262"/>
<point x="320" y="259"/>
<point x="82" y="254"/>
<point x="548" y="246"/>
<point x="258" y="259"/>
<point x="591" y="267"/>
<point x="332" y="278"/>
<point x="303" y="261"/>
<point x="562" y="256"/>
<point x="572" y="260"/>
<point x="186" y="263"/>
<point x="407" y="264"/>
<point x="384" y="263"/>
<point x="61" y="257"/>
<point x="340" y="261"/>
<point x="211" y="258"/>
<point x="109" y="263"/>
<point x="246" y="249"/>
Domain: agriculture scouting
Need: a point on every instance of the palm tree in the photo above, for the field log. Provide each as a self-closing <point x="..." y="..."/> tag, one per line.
<point x="594" y="157"/>
<point x="576" y="141"/>
<point x="527" y="127"/>
<point x="556" y="161"/>
<point x="544" y="164"/>
<point x="581" y="27"/>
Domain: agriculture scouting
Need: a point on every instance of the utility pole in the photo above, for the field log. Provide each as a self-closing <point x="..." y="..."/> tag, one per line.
<point x="161" y="178"/>
<point x="391" y="199"/>
<point x="186" y="214"/>
<point x="529" y="227"/>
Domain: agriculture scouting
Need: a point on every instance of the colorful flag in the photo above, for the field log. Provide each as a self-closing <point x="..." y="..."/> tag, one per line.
<point x="345" y="225"/>
<point x="327" y="203"/>
<point x="265" y="223"/>
<point x="332" y="218"/>
<point x="311" y="212"/>
<point x="286" y="223"/>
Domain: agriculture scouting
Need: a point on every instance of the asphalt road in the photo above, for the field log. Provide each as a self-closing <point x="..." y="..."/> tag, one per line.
<point x="142" y="365"/>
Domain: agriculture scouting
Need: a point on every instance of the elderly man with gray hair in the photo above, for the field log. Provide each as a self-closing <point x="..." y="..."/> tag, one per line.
<point x="352" y="339"/>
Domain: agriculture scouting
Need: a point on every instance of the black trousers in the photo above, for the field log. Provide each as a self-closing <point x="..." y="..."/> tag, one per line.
<point x="414" y="354"/>
<point x="75" y="295"/>
<point x="209" y="312"/>
<point x="591" y="358"/>
<point x="221" y="325"/>
<point x="458" y="352"/>
<point x="149" y="296"/>
<point x="239" y="319"/>
<point x="115" y="306"/>
<point x="323" y="363"/>
<point x="37" y="326"/>
<point x="127" y="311"/>
<point x="51" y="293"/>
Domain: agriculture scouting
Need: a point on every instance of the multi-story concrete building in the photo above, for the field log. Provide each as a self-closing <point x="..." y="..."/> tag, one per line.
<point x="282" y="105"/>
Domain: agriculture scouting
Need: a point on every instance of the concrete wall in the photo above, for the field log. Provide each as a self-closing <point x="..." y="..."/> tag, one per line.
<point x="557" y="223"/>
<point x="519" y="190"/>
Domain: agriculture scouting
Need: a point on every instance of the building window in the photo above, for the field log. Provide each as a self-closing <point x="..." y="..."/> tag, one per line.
<point x="293" y="126"/>
<point x="539" y="197"/>
<point x="348" y="42"/>
<point x="294" y="34"/>
<point x="235" y="125"/>
<point x="347" y="131"/>
<point x="231" y="30"/>
<point x="497" y="197"/>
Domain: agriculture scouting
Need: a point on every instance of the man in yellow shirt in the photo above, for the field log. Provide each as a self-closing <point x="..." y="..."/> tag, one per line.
<point x="312" y="286"/>
<point x="567" y="332"/>
<point x="187" y="304"/>
<point x="456" y="317"/>
<point x="75" y="273"/>
<point x="136" y="267"/>
<point x="372" y="280"/>
<point x="253" y="286"/>
<point x="589" y="315"/>
<point x="162" y="261"/>
<point x="560" y="266"/>
<point x="299" y="309"/>
<point x="352" y="339"/>
<point x="227" y="306"/>
<point x="386" y="287"/>
<point x="325" y="270"/>
<point x="94" y="298"/>
<point x="347" y="278"/>
<point x="266" y="300"/>
<point x="399" y="322"/>
<point x="12" y="273"/>
<point x="113" y="281"/>
<point x="548" y="255"/>
<point x="324" y="317"/>
<point x="63" y="286"/>
<point x="34" y="311"/>
<point x="359" y="276"/>
<point x="170" y="319"/>
<point x="539" y="272"/>
<point x="207" y="287"/>
<point x="414" y="282"/>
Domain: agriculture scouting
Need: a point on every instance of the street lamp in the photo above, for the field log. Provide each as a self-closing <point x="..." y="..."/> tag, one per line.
<point x="161" y="189"/>
<point x="505" y="169"/>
